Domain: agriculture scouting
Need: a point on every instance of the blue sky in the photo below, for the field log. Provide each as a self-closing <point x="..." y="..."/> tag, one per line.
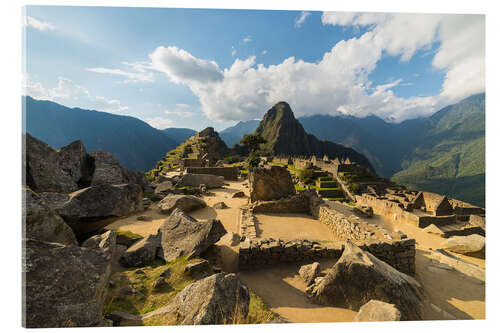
<point x="198" y="67"/>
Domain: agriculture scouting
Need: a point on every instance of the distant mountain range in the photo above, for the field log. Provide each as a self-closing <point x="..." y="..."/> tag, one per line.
<point x="443" y="153"/>
<point x="232" y="135"/>
<point x="136" y="144"/>
<point x="286" y="136"/>
<point x="179" y="135"/>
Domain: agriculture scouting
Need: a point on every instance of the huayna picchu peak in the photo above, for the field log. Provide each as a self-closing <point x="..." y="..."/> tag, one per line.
<point x="286" y="136"/>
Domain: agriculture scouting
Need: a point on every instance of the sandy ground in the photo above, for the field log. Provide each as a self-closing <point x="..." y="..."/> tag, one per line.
<point x="284" y="291"/>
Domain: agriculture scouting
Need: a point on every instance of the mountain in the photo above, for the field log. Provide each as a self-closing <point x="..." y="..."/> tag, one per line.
<point x="136" y="144"/>
<point x="286" y="136"/>
<point x="232" y="135"/>
<point x="179" y="134"/>
<point x="449" y="153"/>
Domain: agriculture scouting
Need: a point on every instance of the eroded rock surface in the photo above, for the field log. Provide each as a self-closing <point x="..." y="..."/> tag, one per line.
<point x="141" y="252"/>
<point x="270" y="184"/>
<point x="378" y="311"/>
<point x="359" y="277"/>
<point x="309" y="272"/>
<point x="181" y="235"/>
<point x="465" y="244"/>
<point x="186" y="203"/>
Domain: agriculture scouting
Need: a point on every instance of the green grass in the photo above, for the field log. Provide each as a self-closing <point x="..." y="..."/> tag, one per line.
<point x="335" y="199"/>
<point x="128" y="234"/>
<point x="299" y="188"/>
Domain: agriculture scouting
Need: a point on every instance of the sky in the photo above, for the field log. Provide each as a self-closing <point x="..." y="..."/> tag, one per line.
<point x="199" y="67"/>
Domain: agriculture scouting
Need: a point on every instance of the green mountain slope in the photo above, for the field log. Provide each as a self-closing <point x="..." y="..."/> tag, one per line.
<point x="449" y="156"/>
<point x="136" y="144"/>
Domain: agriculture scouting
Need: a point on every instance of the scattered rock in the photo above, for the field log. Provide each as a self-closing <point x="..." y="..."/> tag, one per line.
<point x="309" y="272"/>
<point x="144" y="218"/>
<point x="270" y="184"/>
<point x="359" y="277"/>
<point x="366" y="210"/>
<point x="185" y="203"/>
<point x="105" y="242"/>
<point x="220" y="205"/>
<point x="127" y="290"/>
<point x="239" y="194"/>
<point x="195" y="180"/>
<point x="164" y="188"/>
<point x="231" y="239"/>
<point x="467" y="245"/>
<point x="64" y="285"/>
<point x="43" y="223"/>
<point x="96" y="203"/>
<point x="213" y="300"/>
<point x="142" y="252"/>
<point x="181" y="234"/>
<point x="378" y="311"/>
<point x="159" y="283"/>
<point x="166" y="273"/>
<point x="197" y="268"/>
<point x="43" y="172"/>
<point x="124" y="319"/>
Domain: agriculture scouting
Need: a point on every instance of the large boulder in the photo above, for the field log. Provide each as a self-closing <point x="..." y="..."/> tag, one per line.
<point x="105" y="242"/>
<point x="181" y="235"/>
<point x="195" y="180"/>
<point x="43" y="172"/>
<point x="164" y="188"/>
<point x="309" y="272"/>
<point x="43" y="223"/>
<point x="141" y="252"/>
<point x="378" y="311"/>
<point x="218" y="299"/>
<point x="74" y="160"/>
<point x="186" y="203"/>
<point x="270" y="184"/>
<point x="471" y="244"/>
<point x="64" y="286"/>
<point x="87" y="210"/>
<point x="359" y="277"/>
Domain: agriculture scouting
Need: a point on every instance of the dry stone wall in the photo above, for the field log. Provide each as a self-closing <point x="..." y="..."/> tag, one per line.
<point x="229" y="173"/>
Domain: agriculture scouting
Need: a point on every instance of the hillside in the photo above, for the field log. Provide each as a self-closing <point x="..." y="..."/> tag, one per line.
<point x="449" y="156"/>
<point x="232" y="135"/>
<point x="179" y="134"/>
<point x="286" y="136"/>
<point x="136" y="144"/>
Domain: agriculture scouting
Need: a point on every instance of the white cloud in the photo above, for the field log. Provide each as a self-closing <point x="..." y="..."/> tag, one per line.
<point x="130" y="76"/>
<point x="159" y="122"/>
<point x="181" y="105"/>
<point x="246" y="39"/>
<point x="70" y="94"/>
<point x="179" y="113"/>
<point x="264" y="52"/>
<point x="182" y="67"/>
<point x="301" y="19"/>
<point x="233" y="52"/>
<point x="32" y="22"/>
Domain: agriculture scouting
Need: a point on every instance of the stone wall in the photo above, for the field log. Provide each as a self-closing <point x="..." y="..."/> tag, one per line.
<point x="396" y="211"/>
<point x="269" y="252"/>
<point x="191" y="162"/>
<point x="229" y="173"/>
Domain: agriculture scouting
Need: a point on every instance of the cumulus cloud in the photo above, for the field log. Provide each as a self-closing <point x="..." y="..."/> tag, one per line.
<point x="264" y="52"/>
<point x="182" y="67"/>
<point x="32" y="22"/>
<point x="338" y="83"/>
<point x="247" y="39"/>
<point x="301" y="19"/>
<point x="179" y="113"/>
<point x="70" y="94"/>
<point x="159" y="122"/>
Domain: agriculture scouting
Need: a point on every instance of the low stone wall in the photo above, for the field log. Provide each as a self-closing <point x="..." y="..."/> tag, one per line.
<point x="400" y="254"/>
<point x="229" y="173"/>
<point x="247" y="223"/>
<point x="439" y="221"/>
<point x="191" y="162"/>
<point x="268" y="252"/>
<point x="330" y="193"/>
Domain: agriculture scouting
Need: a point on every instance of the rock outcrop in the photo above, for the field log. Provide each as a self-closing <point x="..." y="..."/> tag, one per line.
<point x="105" y="242"/>
<point x="65" y="286"/>
<point x="97" y="203"/>
<point x="109" y="171"/>
<point x="141" y="252"/>
<point x="378" y="311"/>
<point x="43" y="223"/>
<point x="195" y="180"/>
<point x="186" y="203"/>
<point x="471" y="244"/>
<point x="309" y="272"/>
<point x="217" y="299"/>
<point x="181" y="235"/>
<point x="74" y="160"/>
<point x="270" y="184"/>
<point x="359" y="277"/>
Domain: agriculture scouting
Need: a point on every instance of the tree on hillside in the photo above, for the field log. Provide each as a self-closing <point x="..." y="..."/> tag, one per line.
<point x="252" y="141"/>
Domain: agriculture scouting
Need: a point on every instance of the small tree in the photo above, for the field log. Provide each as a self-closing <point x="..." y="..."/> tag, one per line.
<point x="253" y="160"/>
<point x="252" y="141"/>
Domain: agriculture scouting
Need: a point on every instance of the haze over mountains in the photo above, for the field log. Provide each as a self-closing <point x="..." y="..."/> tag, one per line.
<point x="443" y="153"/>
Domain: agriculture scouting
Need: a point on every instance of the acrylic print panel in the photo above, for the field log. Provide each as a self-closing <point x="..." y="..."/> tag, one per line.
<point x="209" y="166"/>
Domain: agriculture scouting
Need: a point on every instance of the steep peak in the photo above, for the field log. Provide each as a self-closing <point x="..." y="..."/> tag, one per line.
<point x="280" y="110"/>
<point x="209" y="131"/>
